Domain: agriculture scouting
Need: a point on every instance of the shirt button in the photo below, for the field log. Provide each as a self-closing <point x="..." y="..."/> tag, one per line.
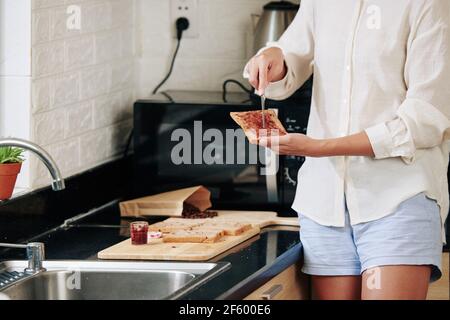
<point x="348" y="68"/>
<point x="345" y="100"/>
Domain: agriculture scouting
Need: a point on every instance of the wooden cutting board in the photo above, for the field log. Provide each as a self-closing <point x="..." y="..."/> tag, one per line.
<point x="197" y="251"/>
<point x="261" y="219"/>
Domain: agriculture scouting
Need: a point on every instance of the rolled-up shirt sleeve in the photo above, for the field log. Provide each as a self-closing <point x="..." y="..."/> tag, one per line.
<point x="423" y="119"/>
<point x="392" y="139"/>
<point x="297" y="44"/>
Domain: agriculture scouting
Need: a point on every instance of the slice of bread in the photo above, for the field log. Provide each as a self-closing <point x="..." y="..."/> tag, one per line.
<point x="165" y="227"/>
<point x="251" y="123"/>
<point x="186" y="222"/>
<point x="184" y="236"/>
<point x="193" y="236"/>
<point x="207" y="229"/>
<point x="174" y="224"/>
<point x="213" y="236"/>
<point x="202" y="230"/>
<point x="250" y="133"/>
<point x="230" y="228"/>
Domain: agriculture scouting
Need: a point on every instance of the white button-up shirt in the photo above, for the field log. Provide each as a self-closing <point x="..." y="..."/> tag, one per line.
<point x="383" y="67"/>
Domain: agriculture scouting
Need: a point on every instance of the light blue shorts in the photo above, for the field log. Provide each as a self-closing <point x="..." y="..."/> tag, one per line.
<point x="410" y="236"/>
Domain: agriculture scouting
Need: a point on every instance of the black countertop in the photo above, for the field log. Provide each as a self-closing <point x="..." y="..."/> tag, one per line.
<point x="40" y="215"/>
<point x="253" y="262"/>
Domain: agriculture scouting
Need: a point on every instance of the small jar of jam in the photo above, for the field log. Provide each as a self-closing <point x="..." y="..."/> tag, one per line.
<point x="139" y="231"/>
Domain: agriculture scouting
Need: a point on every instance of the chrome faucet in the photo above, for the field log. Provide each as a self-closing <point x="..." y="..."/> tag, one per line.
<point x="35" y="255"/>
<point x="58" y="181"/>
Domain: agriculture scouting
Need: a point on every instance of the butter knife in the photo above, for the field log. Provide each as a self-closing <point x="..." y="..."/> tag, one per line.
<point x="263" y="107"/>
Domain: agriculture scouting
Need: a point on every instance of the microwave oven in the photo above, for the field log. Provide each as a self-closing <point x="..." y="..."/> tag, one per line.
<point x="237" y="183"/>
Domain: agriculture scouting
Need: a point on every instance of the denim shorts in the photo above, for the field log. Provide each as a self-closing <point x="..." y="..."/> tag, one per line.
<point x="409" y="236"/>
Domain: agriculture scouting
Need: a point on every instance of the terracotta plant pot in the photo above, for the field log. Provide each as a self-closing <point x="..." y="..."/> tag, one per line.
<point x="8" y="177"/>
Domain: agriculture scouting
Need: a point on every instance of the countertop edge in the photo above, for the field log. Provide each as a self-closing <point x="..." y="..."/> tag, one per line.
<point x="256" y="280"/>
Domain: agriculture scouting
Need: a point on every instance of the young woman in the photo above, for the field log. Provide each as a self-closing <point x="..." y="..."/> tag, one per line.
<point x="372" y="195"/>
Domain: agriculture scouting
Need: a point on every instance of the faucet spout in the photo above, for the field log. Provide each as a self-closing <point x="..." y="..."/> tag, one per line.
<point x="58" y="182"/>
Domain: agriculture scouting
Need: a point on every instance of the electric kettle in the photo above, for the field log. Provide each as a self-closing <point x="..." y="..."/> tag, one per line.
<point x="270" y="25"/>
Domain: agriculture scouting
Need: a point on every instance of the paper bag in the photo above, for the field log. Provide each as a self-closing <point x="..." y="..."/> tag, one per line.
<point x="168" y="203"/>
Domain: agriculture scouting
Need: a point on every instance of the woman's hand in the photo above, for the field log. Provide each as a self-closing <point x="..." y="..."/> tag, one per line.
<point x="293" y="144"/>
<point x="296" y="144"/>
<point x="266" y="67"/>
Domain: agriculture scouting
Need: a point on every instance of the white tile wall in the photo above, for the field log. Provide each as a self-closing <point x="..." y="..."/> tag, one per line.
<point x="15" y="115"/>
<point x="83" y="83"/>
<point x="15" y="39"/>
<point x="219" y="53"/>
<point x="15" y="73"/>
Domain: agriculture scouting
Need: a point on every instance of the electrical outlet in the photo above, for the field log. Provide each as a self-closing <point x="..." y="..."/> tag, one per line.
<point x="189" y="10"/>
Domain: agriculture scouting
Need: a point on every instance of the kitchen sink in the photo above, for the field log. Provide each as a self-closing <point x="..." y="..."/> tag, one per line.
<point x="105" y="280"/>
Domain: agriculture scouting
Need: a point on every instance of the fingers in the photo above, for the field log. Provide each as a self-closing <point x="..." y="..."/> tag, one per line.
<point x="284" y="140"/>
<point x="269" y="142"/>
<point x="276" y="72"/>
<point x="253" y="73"/>
<point x="258" y="73"/>
<point x="266" y="67"/>
<point x="274" y="140"/>
<point x="264" y="142"/>
<point x="278" y="144"/>
<point x="263" y="75"/>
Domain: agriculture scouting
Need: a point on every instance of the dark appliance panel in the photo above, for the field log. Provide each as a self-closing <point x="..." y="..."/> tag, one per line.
<point x="236" y="185"/>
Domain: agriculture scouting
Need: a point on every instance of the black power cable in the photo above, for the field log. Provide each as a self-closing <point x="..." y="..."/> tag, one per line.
<point x="182" y="24"/>
<point x="128" y="145"/>
<point x="224" y="88"/>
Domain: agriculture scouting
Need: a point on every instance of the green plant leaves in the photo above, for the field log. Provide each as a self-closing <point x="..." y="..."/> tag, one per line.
<point x="11" y="155"/>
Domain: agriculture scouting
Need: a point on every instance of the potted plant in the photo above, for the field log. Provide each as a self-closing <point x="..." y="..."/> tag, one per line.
<point x="10" y="164"/>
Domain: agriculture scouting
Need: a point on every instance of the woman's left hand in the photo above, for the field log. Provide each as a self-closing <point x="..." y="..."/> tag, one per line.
<point x="293" y="144"/>
<point x="296" y="144"/>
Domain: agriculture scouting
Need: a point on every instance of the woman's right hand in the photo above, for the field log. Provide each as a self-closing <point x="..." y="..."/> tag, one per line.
<point x="267" y="67"/>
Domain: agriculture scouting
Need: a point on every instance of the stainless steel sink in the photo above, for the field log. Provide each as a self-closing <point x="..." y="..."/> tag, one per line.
<point x="102" y="280"/>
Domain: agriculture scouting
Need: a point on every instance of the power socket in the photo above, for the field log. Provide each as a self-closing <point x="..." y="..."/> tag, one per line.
<point x="189" y="10"/>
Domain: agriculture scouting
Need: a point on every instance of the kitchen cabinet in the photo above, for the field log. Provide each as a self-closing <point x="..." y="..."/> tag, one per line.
<point x="291" y="284"/>
<point x="440" y="290"/>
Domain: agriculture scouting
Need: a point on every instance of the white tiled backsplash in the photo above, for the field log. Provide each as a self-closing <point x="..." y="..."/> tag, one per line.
<point x="15" y="73"/>
<point x="83" y="84"/>
<point x="85" y="81"/>
<point x="219" y="53"/>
